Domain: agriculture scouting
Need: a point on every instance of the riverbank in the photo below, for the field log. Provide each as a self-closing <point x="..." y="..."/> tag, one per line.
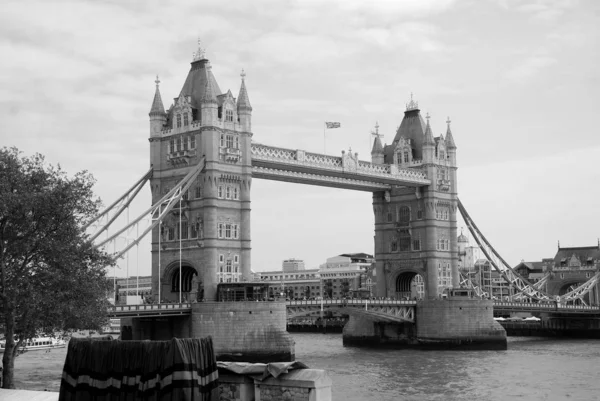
<point x="40" y="370"/>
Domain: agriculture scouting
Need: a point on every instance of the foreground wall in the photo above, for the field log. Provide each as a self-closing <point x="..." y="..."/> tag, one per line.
<point x="245" y="331"/>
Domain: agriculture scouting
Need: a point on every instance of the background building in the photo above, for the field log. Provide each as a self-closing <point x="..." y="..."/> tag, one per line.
<point x="292" y="265"/>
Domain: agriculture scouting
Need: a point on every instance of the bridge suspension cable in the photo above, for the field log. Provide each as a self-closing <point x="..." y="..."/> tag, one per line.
<point x="523" y="286"/>
<point x="157" y="211"/>
<point x="112" y="212"/>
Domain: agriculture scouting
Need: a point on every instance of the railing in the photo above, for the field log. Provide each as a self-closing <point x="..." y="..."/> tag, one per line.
<point x="350" y="302"/>
<point x="149" y="308"/>
<point x="545" y="306"/>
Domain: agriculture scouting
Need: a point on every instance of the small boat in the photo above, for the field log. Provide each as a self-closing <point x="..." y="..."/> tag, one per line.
<point x="37" y="343"/>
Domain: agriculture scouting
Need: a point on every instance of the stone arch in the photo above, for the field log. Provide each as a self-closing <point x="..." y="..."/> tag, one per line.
<point x="402" y="284"/>
<point x="567" y="285"/>
<point x="191" y="280"/>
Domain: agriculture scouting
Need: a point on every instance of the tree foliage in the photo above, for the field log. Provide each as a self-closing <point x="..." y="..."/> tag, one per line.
<point x="52" y="279"/>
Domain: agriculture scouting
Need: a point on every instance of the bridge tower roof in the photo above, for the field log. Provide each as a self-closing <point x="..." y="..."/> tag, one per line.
<point x="412" y="127"/>
<point x="199" y="77"/>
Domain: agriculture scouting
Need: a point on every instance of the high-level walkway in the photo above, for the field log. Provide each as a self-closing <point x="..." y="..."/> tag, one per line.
<point x="280" y="164"/>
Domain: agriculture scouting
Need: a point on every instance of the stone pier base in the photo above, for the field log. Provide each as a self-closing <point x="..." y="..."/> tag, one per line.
<point x="459" y="323"/>
<point x="454" y="323"/>
<point x="245" y="331"/>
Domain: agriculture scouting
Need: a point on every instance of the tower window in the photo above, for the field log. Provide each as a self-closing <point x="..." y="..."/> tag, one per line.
<point x="185" y="119"/>
<point x="193" y="142"/>
<point x="220" y="192"/>
<point x="229" y="141"/>
<point x="404" y="241"/>
<point x="171" y="234"/>
<point x="185" y="143"/>
<point x="229" y="116"/>
<point x="221" y="258"/>
<point x="220" y="230"/>
<point x="222" y="144"/>
<point x="404" y="216"/>
<point x="184" y="230"/>
<point x="236" y="259"/>
<point x="178" y="120"/>
<point x="442" y="155"/>
<point x="236" y="193"/>
<point x="394" y="245"/>
<point x="416" y="245"/>
<point x="236" y="142"/>
<point x="198" y="193"/>
<point x="229" y="265"/>
<point x="405" y="157"/>
<point x="172" y="146"/>
<point x="228" y="192"/>
<point x="179" y="144"/>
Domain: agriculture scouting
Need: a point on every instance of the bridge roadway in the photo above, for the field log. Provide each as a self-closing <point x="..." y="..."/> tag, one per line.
<point x="385" y="310"/>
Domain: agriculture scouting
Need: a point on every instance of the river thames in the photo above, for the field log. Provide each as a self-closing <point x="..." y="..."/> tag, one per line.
<point x="531" y="369"/>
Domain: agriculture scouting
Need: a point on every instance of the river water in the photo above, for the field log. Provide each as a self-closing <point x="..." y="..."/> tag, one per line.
<point x="531" y="369"/>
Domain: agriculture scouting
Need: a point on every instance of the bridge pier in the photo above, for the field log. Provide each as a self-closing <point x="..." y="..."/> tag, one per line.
<point x="453" y="323"/>
<point x="249" y="331"/>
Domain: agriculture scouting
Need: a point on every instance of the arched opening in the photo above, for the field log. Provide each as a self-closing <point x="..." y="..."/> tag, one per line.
<point x="568" y="287"/>
<point x="410" y="285"/>
<point x="191" y="286"/>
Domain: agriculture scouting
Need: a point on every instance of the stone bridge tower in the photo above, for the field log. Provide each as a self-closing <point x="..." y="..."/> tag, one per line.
<point x="207" y="239"/>
<point x="416" y="229"/>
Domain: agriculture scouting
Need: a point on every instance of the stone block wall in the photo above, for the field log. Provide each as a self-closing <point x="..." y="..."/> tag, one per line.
<point x="459" y="321"/>
<point x="245" y="331"/>
<point x="297" y="385"/>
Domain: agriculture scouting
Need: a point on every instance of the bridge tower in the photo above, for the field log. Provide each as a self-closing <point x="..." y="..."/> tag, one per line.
<point x="206" y="238"/>
<point x="416" y="228"/>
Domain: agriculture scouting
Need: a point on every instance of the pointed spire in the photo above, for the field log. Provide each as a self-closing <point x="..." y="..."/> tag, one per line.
<point x="428" y="135"/>
<point x="209" y="93"/>
<point x="243" y="102"/>
<point x="377" y="146"/>
<point x="157" y="104"/>
<point x="449" y="138"/>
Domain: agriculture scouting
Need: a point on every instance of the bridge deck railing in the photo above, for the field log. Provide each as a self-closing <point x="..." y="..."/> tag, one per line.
<point x="149" y="307"/>
<point x="350" y="302"/>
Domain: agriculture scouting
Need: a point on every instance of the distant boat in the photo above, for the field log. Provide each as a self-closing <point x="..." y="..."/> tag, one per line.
<point x="37" y="343"/>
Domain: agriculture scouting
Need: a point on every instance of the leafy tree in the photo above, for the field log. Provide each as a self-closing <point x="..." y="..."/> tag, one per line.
<point x="52" y="279"/>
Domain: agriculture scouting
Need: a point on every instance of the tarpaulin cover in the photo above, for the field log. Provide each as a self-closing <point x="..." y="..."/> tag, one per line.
<point x="261" y="371"/>
<point x="179" y="369"/>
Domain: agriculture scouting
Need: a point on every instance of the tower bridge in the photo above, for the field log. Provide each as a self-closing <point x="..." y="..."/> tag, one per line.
<point x="203" y="159"/>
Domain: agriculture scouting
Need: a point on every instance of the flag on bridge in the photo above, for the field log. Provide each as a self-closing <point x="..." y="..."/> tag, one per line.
<point x="331" y="125"/>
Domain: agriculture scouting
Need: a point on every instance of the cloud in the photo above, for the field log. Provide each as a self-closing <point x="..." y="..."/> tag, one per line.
<point x="529" y="68"/>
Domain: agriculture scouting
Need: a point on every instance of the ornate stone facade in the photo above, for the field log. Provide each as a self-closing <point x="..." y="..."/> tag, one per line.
<point x="206" y="239"/>
<point x="416" y="229"/>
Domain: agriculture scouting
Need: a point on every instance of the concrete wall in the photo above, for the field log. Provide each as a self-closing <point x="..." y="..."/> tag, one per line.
<point x="245" y="331"/>
<point x="459" y="322"/>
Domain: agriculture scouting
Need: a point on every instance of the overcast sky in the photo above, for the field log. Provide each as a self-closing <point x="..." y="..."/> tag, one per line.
<point x="519" y="80"/>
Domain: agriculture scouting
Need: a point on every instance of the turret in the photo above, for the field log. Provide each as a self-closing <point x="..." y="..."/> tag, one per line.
<point x="208" y="104"/>
<point x="244" y="109"/>
<point x="428" y="144"/>
<point x="450" y="145"/>
<point x="158" y="117"/>
<point x="377" y="155"/>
